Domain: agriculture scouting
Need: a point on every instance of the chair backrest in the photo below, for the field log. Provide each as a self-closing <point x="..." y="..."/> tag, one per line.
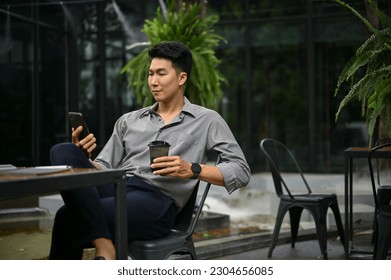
<point x="187" y="219"/>
<point x="277" y="154"/>
<point x="371" y="156"/>
<point x="381" y="141"/>
<point x="183" y="218"/>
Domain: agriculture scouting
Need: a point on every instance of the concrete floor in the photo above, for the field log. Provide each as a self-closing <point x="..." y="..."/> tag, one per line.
<point x="304" y="250"/>
<point x="29" y="239"/>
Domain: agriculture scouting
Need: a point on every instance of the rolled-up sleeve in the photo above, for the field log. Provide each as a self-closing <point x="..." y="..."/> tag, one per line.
<point x="235" y="175"/>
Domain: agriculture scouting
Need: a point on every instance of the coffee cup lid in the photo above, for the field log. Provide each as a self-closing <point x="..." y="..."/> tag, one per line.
<point x="158" y="143"/>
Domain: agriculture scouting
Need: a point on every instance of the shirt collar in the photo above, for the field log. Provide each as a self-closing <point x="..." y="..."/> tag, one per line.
<point x="188" y="108"/>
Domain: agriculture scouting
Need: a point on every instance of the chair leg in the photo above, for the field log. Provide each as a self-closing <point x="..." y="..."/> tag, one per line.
<point x="321" y="230"/>
<point x="375" y="238"/>
<point x="280" y="216"/>
<point x="294" y="215"/>
<point x="374" y="233"/>
<point x="191" y="249"/>
<point x="383" y="238"/>
<point x="383" y="245"/>
<point x="337" y="216"/>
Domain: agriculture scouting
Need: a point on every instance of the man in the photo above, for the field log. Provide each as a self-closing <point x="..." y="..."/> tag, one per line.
<point x="153" y="198"/>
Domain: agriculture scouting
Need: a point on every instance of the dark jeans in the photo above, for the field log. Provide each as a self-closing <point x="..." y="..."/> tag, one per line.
<point x="88" y="212"/>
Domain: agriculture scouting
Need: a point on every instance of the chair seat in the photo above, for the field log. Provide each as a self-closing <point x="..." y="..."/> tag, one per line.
<point x="309" y="197"/>
<point x="157" y="249"/>
<point x="164" y="242"/>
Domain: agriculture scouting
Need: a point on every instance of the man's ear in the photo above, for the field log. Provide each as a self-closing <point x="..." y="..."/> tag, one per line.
<point x="182" y="78"/>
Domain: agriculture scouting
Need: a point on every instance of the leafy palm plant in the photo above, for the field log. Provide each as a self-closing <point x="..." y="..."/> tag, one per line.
<point x="187" y="26"/>
<point x="369" y="72"/>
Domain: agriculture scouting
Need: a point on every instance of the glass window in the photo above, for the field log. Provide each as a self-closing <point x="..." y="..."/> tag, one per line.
<point x="272" y="8"/>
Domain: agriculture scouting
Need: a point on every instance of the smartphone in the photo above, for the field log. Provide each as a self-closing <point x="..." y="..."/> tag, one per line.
<point x="76" y="119"/>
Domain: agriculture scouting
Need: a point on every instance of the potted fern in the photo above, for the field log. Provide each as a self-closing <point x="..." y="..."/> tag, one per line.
<point x="371" y="87"/>
<point x="187" y="26"/>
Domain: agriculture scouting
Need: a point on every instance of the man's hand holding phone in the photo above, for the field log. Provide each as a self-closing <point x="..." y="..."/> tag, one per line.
<point x="87" y="144"/>
<point x="81" y="135"/>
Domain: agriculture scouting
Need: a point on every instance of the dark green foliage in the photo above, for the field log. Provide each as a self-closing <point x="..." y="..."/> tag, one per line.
<point x="369" y="72"/>
<point x="187" y="26"/>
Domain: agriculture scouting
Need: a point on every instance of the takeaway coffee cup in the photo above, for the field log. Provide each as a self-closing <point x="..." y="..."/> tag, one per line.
<point x="158" y="149"/>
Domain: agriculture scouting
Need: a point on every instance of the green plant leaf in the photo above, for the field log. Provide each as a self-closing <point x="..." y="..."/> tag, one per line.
<point x="187" y="26"/>
<point x="371" y="87"/>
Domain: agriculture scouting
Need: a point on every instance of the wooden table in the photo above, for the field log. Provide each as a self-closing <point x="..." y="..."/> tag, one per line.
<point x="351" y="154"/>
<point x="15" y="186"/>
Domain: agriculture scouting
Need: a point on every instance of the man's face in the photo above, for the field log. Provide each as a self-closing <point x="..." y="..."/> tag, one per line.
<point x="163" y="80"/>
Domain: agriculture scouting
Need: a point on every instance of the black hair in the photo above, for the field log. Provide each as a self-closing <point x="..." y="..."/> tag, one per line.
<point x="177" y="52"/>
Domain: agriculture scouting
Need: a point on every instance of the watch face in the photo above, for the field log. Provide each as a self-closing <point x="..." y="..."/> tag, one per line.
<point x="196" y="168"/>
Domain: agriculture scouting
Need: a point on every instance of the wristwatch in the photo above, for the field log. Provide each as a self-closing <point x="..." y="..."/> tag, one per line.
<point x="196" y="168"/>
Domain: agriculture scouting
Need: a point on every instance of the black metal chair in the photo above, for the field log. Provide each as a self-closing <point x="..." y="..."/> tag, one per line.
<point x="180" y="240"/>
<point x="382" y="198"/>
<point x="379" y="142"/>
<point x="316" y="204"/>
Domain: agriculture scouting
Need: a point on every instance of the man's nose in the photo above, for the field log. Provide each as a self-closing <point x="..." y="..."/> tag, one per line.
<point x="153" y="80"/>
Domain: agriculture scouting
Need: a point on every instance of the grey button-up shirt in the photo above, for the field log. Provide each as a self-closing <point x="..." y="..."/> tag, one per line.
<point x="192" y="134"/>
